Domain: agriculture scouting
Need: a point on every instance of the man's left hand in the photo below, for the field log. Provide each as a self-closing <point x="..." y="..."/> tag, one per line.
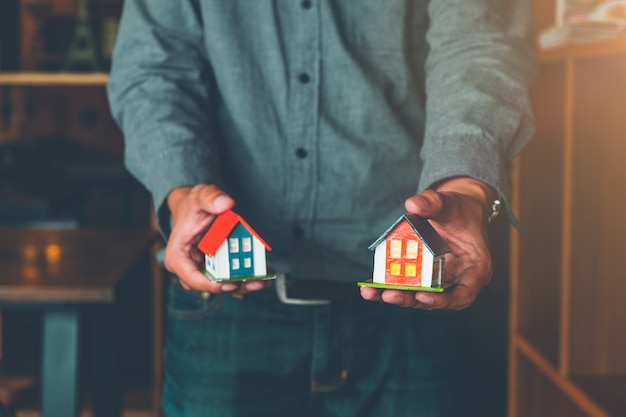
<point x="458" y="208"/>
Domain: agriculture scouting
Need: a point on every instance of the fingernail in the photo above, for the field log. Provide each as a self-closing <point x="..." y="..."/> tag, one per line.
<point x="425" y="299"/>
<point x="229" y="287"/>
<point x="222" y="202"/>
<point x="422" y="203"/>
<point x="396" y="300"/>
<point x="254" y="286"/>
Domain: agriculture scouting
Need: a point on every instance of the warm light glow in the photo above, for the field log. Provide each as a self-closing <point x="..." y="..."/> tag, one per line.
<point x="411" y="249"/>
<point x="30" y="253"/>
<point x="29" y="272"/>
<point x="395" y="250"/>
<point x="53" y="253"/>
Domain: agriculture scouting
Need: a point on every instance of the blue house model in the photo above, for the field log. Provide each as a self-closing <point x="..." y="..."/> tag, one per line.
<point x="233" y="250"/>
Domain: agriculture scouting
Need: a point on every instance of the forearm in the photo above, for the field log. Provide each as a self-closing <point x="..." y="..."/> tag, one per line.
<point x="159" y="91"/>
<point x="478" y="110"/>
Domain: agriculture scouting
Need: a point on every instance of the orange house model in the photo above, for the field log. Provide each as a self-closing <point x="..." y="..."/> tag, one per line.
<point x="410" y="253"/>
<point x="233" y="250"/>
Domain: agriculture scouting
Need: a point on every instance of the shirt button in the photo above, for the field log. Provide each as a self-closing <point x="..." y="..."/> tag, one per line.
<point x="304" y="78"/>
<point x="297" y="231"/>
<point x="306" y="4"/>
<point x="301" y="153"/>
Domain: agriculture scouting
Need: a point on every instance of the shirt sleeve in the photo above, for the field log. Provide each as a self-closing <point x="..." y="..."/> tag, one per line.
<point x="478" y="113"/>
<point x="159" y="92"/>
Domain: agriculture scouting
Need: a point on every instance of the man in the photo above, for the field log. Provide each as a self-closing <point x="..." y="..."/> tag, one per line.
<point x="321" y="122"/>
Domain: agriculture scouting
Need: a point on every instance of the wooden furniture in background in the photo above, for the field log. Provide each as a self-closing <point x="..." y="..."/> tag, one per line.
<point x="567" y="309"/>
<point x="39" y="105"/>
<point x="12" y="388"/>
<point x="35" y="43"/>
<point x="40" y="101"/>
<point x="159" y="284"/>
<point x="62" y="273"/>
<point x="54" y="79"/>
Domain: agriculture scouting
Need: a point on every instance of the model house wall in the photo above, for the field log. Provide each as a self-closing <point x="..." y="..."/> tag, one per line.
<point x="233" y="249"/>
<point x="409" y="253"/>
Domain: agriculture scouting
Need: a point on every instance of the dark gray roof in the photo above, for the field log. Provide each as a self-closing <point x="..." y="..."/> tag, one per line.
<point x="424" y="230"/>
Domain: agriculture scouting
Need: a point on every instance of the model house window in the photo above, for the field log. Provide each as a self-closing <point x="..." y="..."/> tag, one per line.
<point x="395" y="249"/>
<point x="394" y="269"/>
<point x="410" y="270"/>
<point x="246" y="244"/>
<point x="411" y="249"/>
<point x="235" y="264"/>
<point x="247" y="262"/>
<point x="234" y="245"/>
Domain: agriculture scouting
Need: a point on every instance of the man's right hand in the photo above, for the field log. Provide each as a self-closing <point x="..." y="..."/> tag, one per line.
<point x="193" y="210"/>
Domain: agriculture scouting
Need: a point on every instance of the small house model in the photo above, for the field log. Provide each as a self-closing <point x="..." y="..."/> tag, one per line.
<point x="233" y="250"/>
<point x="409" y="254"/>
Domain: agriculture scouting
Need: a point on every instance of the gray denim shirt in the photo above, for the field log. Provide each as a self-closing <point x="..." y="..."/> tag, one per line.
<point x="320" y="117"/>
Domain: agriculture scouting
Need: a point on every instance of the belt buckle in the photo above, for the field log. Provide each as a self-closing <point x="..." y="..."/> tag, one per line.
<point x="281" y="290"/>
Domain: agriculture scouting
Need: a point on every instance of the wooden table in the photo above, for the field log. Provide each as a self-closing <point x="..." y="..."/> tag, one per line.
<point x="61" y="273"/>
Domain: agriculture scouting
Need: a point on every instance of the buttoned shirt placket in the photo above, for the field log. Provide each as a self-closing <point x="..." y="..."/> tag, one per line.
<point x="302" y="155"/>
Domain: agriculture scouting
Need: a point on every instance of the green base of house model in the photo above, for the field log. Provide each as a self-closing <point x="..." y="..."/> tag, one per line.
<point x="446" y="286"/>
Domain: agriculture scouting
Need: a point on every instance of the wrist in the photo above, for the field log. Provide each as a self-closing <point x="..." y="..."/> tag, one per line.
<point x="485" y="196"/>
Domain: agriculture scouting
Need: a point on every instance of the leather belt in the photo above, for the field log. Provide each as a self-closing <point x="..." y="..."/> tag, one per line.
<point x="314" y="292"/>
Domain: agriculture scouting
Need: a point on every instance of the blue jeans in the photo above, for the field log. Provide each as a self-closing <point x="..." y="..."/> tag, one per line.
<point x="255" y="356"/>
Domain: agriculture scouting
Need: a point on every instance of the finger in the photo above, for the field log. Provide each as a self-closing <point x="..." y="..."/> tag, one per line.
<point x="411" y="299"/>
<point x="252" y="286"/>
<point x="371" y="294"/>
<point x="428" y="204"/>
<point x="405" y="299"/>
<point x="458" y="298"/>
<point x="429" y="300"/>
<point x="397" y="297"/>
<point x="213" y="199"/>
<point x="197" y="281"/>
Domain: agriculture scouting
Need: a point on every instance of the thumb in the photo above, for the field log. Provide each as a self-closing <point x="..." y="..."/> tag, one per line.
<point x="427" y="204"/>
<point x="222" y="203"/>
<point x="214" y="200"/>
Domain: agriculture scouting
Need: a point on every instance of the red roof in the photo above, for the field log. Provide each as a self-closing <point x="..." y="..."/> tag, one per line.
<point x="221" y="228"/>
